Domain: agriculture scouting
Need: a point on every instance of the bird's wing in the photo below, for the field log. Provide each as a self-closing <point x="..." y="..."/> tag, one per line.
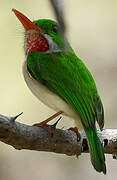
<point x="69" y="78"/>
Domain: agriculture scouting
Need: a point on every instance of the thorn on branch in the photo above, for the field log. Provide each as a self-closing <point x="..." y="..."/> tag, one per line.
<point x="114" y="156"/>
<point x="52" y="127"/>
<point x="12" y="119"/>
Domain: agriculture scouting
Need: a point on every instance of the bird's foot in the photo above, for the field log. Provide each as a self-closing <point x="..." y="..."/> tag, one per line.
<point x="44" y="124"/>
<point x="75" y="129"/>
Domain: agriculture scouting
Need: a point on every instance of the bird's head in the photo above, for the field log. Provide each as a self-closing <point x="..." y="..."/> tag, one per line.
<point x="41" y="35"/>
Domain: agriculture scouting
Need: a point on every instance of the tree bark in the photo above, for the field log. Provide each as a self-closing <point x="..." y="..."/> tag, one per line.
<point x="22" y="136"/>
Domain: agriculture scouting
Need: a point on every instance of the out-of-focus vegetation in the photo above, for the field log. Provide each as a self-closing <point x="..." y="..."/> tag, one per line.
<point x="92" y="31"/>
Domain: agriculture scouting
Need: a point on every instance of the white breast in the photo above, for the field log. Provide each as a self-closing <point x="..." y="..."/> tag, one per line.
<point x="49" y="98"/>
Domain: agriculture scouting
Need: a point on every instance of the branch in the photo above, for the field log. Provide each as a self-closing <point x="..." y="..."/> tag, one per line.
<point x="22" y="136"/>
<point x="58" y="7"/>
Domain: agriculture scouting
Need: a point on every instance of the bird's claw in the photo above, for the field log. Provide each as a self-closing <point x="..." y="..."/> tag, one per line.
<point x="75" y="129"/>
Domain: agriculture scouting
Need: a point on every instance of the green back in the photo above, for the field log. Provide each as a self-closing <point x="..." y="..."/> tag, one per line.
<point x="67" y="76"/>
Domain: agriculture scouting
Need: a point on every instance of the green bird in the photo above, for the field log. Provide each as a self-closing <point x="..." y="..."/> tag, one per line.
<point x="60" y="80"/>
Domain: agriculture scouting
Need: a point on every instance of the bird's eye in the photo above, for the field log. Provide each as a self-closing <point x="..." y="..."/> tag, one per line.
<point x="54" y="28"/>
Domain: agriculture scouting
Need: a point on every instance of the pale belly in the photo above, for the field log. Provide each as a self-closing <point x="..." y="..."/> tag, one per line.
<point x="49" y="98"/>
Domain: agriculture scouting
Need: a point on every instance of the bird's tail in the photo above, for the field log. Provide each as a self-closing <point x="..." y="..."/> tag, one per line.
<point x="96" y="150"/>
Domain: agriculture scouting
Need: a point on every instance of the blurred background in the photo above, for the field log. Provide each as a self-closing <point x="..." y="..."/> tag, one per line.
<point x="92" y="32"/>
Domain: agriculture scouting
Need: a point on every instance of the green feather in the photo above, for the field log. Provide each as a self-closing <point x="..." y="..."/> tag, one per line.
<point x="96" y="151"/>
<point x="66" y="75"/>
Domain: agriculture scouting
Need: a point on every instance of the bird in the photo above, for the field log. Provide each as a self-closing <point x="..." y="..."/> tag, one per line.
<point x="59" y="79"/>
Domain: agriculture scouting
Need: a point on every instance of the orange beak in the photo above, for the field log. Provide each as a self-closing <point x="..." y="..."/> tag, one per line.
<point x="28" y="25"/>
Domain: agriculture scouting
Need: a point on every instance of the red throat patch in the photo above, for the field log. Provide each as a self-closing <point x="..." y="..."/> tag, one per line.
<point x="36" y="42"/>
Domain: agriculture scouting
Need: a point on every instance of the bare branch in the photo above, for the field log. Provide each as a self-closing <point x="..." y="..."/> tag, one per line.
<point x="58" y="7"/>
<point x="22" y="136"/>
<point x="59" y="12"/>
